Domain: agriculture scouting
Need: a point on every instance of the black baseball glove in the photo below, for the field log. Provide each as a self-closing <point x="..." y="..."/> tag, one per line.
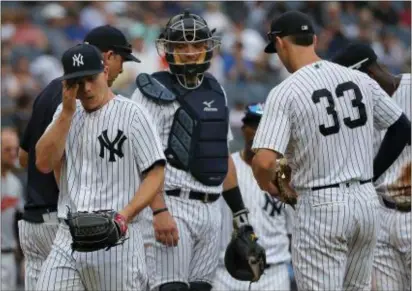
<point x="93" y="231"/>
<point x="245" y="259"/>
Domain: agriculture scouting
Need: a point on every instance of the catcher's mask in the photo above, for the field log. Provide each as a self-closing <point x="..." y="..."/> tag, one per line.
<point x="185" y="36"/>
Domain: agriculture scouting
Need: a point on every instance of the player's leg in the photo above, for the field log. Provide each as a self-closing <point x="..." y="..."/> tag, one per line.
<point x="122" y="267"/>
<point x="168" y="265"/>
<point x="206" y="247"/>
<point x="36" y="241"/>
<point x="362" y="243"/>
<point x="319" y="241"/>
<point x="390" y="269"/>
<point x="8" y="271"/>
<point x="59" y="271"/>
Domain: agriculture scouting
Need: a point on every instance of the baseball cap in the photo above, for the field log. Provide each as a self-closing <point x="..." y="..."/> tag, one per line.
<point x="356" y="56"/>
<point x="289" y="23"/>
<point x="107" y="37"/>
<point x="253" y="113"/>
<point x="82" y="60"/>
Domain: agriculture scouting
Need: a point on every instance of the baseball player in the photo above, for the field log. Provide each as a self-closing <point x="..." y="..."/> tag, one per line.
<point x="270" y="216"/>
<point x="38" y="227"/>
<point x="321" y="118"/>
<point x="392" y="260"/>
<point x="11" y="202"/>
<point x="191" y="113"/>
<point x="108" y="156"/>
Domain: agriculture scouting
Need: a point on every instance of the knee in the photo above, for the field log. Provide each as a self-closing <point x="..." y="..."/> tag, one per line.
<point x="174" y="286"/>
<point x="200" y="286"/>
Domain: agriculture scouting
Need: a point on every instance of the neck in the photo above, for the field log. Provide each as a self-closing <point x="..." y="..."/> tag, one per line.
<point x="247" y="155"/>
<point x="390" y="84"/>
<point x="303" y="57"/>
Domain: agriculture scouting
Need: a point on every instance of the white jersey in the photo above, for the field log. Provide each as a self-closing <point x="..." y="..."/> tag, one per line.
<point x="322" y="118"/>
<point x="11" y="201"/>
<point x="106" y="152"/>
<point x="267" y="215"/>
<point x="163" y="115"/>
<point x="399" y="173"/>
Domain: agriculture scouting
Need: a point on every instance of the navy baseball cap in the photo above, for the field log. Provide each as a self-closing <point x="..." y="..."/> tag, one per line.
<point x="356" y="56"/>
<point x="107" y="37"/>
<point x="289" y="23"/>
<point x="82" y="60"/>
<point x="253" y="113"/>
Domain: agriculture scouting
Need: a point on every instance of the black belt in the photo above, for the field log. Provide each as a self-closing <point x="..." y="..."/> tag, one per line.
<point x="406" y="207"/>
<point x="204" y="197"/>
<point x="7" y="251"/>
<point x="35" y="214"/>
<point x="337" y="185"/>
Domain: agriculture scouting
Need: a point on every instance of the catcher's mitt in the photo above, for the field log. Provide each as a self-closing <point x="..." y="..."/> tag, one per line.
<point x="283" y="175"/>
<point x="245" y="259"/>
<point x="93" y="231"/>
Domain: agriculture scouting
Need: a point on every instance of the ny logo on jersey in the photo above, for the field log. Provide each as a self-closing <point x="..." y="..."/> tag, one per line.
<point x="114" y="147"/>
<point x="78" y="60"/>
<point x="271" y="205"/>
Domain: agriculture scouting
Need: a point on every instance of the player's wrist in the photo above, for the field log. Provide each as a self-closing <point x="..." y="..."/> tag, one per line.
<point x="241" y="218"/>
<point x="159" y="210"/>
<point x="121" y="221"/>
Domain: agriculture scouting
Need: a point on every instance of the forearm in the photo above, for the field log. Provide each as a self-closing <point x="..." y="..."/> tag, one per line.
<point x="396" y="138"/>
<point x="50" y="147"/>
<point x="149" y="188"/>
<point x="158" y="201"/>
<point x="263" y="171"/>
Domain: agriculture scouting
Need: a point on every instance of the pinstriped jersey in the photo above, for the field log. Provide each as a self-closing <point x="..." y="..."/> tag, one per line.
<point x="398" y="176"/>
<point x="267" y="215"/>
<point x="322" y="118"/>
<point x="163" y="114"/>
<point x="106" y="152"/>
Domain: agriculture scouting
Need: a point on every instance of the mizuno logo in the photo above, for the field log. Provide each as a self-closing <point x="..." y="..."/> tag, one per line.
<point x="209" y="106"/>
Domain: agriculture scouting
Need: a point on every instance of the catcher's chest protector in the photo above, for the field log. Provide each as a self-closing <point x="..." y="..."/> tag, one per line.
<point x="198" y="137"/>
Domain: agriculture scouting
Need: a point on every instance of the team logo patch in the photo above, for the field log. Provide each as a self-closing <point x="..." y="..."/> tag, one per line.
<point x="114" y="147"/>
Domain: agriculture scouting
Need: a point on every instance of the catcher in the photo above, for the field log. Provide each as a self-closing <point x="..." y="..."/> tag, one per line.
<point x="110" y="162"/>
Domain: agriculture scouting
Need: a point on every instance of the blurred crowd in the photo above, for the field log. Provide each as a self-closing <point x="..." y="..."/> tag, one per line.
<point x="35" y="34"/>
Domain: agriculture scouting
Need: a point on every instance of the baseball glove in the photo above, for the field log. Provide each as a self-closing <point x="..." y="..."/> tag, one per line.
<point x="245" y="259"/>
<point x="283" y="176"/>
<point x="93" y="231"/>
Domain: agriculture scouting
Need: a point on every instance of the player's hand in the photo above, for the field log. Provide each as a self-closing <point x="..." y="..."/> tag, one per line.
<point x="69" y="97"/>
<point x="165" y="228"/>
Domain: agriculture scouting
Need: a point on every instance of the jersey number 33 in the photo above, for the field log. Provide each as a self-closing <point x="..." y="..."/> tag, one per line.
<point x="357" y="104"/>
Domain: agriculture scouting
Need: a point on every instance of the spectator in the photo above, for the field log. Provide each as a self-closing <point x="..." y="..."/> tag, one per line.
<point x="237" y="67"/>
<point x="11" y="203"/>
<point x="385" y="13"/>
<point x="216" y="18"/>
<point x="390" y="51"/>
<point x="405" y="15"/>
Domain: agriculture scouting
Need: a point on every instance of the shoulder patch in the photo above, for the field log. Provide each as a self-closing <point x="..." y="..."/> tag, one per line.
<point x="153" y="89"/>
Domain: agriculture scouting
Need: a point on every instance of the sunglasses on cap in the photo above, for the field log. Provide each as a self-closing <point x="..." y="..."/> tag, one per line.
<point x="255" y="109"/>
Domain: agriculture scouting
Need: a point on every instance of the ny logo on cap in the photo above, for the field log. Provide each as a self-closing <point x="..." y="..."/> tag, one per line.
<point x="304" y="27"/>
<point x="78" y="60"/>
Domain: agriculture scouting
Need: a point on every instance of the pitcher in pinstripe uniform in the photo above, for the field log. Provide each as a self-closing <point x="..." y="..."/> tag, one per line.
<point x="392" y="261"/>
<point x="190" y="109"/>
<point x="270" y="216"/>
<point x="38" y="227"/>
<point x="108" y="155"/>
<point x="321" y="118"/>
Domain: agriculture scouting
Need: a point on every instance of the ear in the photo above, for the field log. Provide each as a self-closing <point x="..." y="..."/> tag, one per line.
<point x="107" y="55"/>
<point x="315" y="40"/>
<point x="280" y="41"/>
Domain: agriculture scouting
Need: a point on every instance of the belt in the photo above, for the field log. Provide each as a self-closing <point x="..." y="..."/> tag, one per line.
<point x="406" y="207"/>
<point x="7" y="251"/>
<point x="39" y="215"/>
<point x="338" y="184"/>
<point x="204" y="197"/>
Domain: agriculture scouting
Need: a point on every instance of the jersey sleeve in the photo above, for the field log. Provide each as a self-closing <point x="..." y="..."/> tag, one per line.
<point x="275" y="126"/>
<point x="385" y="109"/>
<point x="145" y="139"/>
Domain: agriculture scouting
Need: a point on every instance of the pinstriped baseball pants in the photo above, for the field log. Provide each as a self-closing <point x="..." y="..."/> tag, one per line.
<point x="122" y="267"/>
<point x="392" y="262"/>
<point x="36" y="241"/>
<point x="276" y="278"/>
<point x="334" y="238"/>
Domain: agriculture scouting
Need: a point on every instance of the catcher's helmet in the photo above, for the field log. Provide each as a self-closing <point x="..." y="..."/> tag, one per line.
<point x="187" y="29"/>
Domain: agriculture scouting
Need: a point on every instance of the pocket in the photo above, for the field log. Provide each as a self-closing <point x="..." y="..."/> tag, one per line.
<point x="326" y="204"/>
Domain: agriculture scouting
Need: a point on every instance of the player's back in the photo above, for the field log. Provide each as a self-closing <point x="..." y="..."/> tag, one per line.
<point x="331" y="114"/>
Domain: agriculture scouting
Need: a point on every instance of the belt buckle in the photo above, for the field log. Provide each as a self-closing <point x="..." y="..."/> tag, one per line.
<point x="206" y="198"/>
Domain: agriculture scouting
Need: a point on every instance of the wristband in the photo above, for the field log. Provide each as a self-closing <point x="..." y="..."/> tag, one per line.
<point x="157" y="211"/>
